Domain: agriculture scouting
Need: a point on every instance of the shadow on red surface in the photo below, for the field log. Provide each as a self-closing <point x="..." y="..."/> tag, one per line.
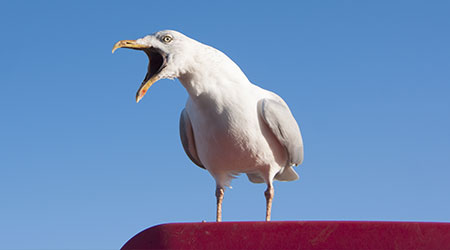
<point x="294" y="235"/>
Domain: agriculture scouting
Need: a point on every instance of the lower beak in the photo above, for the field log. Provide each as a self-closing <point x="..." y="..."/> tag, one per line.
<point x="144" y="87"/>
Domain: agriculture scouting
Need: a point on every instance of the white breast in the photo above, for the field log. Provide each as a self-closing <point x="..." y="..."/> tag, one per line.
<point x="229" y="136"/>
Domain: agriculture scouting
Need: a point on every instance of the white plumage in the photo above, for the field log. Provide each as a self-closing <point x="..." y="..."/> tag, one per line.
<point x="229" y="125"/>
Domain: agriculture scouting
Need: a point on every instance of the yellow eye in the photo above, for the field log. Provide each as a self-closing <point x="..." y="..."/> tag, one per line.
<point x="166" y="39"/>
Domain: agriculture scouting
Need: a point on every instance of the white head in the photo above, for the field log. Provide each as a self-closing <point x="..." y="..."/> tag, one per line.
<point x="169" y="53"/>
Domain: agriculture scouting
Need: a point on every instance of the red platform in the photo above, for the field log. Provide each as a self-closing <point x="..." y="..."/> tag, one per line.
<point x="294" y="235"/>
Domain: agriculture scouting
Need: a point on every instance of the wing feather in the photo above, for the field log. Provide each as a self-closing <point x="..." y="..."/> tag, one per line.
<point x="280" y="120"/>
<point x="187" y="138"/>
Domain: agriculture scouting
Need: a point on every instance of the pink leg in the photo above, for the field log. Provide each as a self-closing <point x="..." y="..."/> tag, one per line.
<point x="269" y="193"/>
<point x="219" y="196"/>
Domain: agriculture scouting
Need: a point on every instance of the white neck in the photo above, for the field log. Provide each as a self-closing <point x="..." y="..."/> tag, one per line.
<point x="211" y="71"/>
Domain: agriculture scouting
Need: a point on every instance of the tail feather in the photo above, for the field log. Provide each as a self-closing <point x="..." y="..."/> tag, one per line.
<point x="287" y="174"/>
<point x="255" y="178"/>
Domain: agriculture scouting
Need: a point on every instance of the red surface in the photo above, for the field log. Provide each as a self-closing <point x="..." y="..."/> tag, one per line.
<point x="294" y="235"/>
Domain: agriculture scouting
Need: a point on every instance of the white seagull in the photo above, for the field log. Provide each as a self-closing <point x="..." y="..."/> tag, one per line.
<point x="229" y="125"/>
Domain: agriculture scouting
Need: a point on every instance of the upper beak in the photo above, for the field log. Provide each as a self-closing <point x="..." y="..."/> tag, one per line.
<point x="131" y="44"/>
<point x="149" y="79"/>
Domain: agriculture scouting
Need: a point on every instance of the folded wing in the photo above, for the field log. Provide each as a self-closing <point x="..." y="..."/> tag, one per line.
<point x="282" y="123"/>
<point x="187" y="138"/>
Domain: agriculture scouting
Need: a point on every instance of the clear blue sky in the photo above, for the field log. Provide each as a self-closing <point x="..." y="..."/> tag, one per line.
<point x="82" y="166"/>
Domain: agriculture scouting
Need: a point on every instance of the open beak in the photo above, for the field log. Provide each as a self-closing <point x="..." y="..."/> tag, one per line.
<point x="157" y="61"/>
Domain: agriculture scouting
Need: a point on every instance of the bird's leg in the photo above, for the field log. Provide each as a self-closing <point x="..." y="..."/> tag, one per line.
<point x="269" y="197"/>
<point x="219" y="196"/>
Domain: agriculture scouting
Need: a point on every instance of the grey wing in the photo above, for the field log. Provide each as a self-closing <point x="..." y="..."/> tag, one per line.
<point x="282" y="123"/>
<point x="187" y="138"/>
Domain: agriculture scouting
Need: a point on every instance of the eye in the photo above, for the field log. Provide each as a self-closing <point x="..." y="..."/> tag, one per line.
<point x="167" y="39"/>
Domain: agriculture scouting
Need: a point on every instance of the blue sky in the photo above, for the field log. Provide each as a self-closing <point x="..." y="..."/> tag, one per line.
<point x="82" y="166"/>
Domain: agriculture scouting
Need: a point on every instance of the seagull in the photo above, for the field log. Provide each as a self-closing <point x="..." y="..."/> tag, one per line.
<point x="229" y="125"/>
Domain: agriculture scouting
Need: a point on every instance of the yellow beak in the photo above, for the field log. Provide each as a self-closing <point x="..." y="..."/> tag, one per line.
<point x="131" y="44"/>
<point x="144" y="87"/>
